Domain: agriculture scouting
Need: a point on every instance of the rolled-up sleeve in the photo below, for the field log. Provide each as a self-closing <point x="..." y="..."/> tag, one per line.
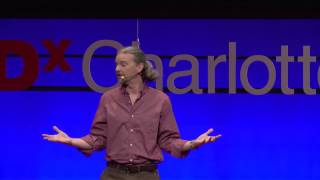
<point x="169" y="136"/>
<point x="97" y="136"/>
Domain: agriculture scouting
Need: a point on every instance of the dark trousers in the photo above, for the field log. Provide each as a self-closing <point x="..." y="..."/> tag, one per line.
<point x="110" y="173"/>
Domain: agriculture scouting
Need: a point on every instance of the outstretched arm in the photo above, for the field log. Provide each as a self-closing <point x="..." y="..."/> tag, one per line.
<point x="63" y="138"/>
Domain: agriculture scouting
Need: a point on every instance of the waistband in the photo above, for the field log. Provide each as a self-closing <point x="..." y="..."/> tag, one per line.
<point x="132" y="168"/>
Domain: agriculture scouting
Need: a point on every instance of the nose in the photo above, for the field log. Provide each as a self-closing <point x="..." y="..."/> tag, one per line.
<point x="117" y="68"/>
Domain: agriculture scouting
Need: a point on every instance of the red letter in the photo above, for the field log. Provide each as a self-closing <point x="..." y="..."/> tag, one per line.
<point x="57" y="55"/>
<point x="31" y="64"/>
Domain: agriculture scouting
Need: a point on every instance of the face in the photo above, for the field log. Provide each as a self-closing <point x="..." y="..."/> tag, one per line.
<point x="126" y="66"/>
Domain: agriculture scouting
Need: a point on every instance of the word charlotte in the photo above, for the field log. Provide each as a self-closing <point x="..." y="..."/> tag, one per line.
<point x="30" y="71"/>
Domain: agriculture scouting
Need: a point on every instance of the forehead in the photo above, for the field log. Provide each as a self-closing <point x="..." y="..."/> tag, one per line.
<point x="124" y="57"/>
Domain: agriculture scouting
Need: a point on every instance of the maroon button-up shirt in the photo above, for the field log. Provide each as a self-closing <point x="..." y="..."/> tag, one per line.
<point x="135" y="133"/>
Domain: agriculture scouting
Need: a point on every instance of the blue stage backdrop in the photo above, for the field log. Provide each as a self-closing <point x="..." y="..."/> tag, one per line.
<point x="269" y="136"/>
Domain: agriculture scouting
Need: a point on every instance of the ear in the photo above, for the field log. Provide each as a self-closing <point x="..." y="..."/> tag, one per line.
<point x="140" y="67"/>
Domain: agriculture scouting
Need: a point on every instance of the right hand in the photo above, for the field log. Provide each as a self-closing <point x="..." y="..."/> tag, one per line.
<point x="61" y="137"/>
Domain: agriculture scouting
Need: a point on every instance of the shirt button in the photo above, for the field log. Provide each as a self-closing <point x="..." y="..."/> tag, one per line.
<point x="131" y="145"/>
<point x="132" y="115"/>
<point x="130" y="160"/>
<point x="131" y="130"/>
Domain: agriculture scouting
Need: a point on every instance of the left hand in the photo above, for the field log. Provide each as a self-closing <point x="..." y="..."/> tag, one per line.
<point x="205" y="138"/>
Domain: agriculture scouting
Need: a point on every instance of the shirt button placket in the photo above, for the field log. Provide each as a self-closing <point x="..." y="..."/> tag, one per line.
<point x="131" y="130"/>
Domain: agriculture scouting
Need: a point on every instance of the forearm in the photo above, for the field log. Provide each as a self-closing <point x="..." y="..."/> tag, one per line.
<point x="79" y="143"/>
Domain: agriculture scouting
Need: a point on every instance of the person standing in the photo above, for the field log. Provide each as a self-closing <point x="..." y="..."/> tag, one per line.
<point x="133" y="123"/>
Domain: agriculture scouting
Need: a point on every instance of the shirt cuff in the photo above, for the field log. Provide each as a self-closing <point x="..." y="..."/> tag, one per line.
<point x="90" y="140"/>
<point x="177" y="149"/>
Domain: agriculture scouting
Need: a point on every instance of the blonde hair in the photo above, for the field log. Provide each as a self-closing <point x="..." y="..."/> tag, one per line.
<point x="147" y="73"/>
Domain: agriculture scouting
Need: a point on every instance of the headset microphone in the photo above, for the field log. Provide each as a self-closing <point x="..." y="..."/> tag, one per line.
<point x="126" y="79"/>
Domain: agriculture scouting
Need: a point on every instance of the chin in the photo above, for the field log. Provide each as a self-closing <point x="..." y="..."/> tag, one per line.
<point x="122" y="82"/>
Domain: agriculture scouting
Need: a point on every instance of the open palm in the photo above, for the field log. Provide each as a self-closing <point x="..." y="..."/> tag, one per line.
<point x="61" y="137"/>
<point x="205" y="138"/>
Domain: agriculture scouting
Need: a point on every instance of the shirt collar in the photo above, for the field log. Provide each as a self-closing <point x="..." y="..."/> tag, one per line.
<point x="142" y="92"/>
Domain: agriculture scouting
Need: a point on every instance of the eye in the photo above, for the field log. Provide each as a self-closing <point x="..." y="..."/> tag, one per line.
<point x="123" y="64"/>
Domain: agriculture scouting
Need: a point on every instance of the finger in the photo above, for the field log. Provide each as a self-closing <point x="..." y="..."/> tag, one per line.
<point x="207" y="139"/>
<point x="46" y="138"/>
<point x="209" y="131"/>
<point x="214" y="138"/>
<point x="47" y="135"/>
<point x="217" y="136"/>
<point x="57" y="129"/>
<point x="49" y="138"/>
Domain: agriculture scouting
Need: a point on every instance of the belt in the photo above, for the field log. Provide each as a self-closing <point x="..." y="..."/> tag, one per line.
<point x="131" y="168"/>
